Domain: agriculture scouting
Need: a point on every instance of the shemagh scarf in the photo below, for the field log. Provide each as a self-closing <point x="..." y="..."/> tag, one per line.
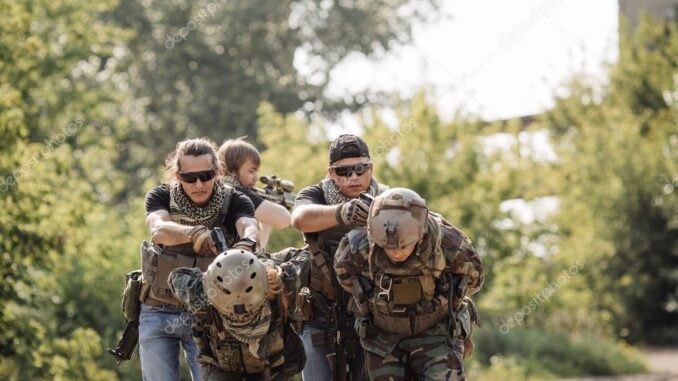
<point x="251" y="330"/>
<point x="333" y="195"/>
<point x="232" y="181"/>
<point x="185" y="212"/>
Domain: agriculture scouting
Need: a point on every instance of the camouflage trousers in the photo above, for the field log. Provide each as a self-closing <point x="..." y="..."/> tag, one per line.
<point x="426" y="358"/>
<point x="213" y="373"/>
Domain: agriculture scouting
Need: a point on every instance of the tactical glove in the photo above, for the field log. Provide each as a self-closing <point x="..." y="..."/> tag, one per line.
<point x="352" y="212"/>
<point x="203" y="244"/>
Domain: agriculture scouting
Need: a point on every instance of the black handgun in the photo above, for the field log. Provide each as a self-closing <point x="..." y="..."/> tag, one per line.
<point x="219" y="240"/>
<point x="367" y="198"/>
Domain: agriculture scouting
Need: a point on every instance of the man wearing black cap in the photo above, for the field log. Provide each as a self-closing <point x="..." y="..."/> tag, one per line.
<point x="325" y="212"/>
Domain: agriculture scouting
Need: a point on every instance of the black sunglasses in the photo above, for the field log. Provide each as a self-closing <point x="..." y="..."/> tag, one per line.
<point x="191" y="177"/>
<point x="347" y="170"/>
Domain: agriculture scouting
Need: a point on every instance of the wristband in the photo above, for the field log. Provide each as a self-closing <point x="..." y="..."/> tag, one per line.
<point x="337" y="215"/>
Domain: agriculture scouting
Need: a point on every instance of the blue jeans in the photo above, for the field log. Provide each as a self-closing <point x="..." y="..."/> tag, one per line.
<point x="317" y="366"/>
<point x="161" y="330"/>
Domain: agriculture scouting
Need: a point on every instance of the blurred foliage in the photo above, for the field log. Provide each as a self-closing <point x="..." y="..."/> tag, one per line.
<point x="616" y="177"/>
<point x="91" y="100"/>
<point x="203" y="67"/>
<point x="538" y="354"/>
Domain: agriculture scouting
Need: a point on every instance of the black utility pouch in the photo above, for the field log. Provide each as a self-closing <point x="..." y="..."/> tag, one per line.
<point x="304" y="306"/>
<point x="131" y="305"/>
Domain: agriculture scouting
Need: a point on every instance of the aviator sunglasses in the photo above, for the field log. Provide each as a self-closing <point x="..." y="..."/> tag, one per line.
<point x="347" y="170"/>
<point x="191" y="177"/>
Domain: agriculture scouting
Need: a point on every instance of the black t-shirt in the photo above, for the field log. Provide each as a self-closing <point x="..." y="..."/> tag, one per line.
<point x="240" y="206"/>
<point x="311" y="195"/>
<point x="254" y="197"/>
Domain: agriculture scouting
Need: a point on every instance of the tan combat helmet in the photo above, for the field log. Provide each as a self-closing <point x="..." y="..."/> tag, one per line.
<point x="236" y="283"/>
<point x="397" y="218"/>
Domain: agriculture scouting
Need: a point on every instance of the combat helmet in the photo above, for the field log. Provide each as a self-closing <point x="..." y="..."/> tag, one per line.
<point x="236" y="283"/>
<point x="397" y="218"/>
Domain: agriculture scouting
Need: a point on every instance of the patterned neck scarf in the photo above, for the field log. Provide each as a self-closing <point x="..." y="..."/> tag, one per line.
<point x="333" y="195"/>
<point x="185" y="212"/>
<point x="251" y="330"/>
<point x="232" y="181"/>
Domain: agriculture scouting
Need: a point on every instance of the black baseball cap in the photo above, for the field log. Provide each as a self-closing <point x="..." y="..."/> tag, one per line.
<point x="348" y="145"/>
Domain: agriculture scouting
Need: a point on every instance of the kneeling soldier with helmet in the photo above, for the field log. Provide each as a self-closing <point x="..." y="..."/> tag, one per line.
<point x="241" y="309"/>
<point x="409" y="272"/>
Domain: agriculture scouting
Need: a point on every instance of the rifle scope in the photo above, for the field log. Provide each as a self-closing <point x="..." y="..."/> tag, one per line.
<point x="275" y="182"/>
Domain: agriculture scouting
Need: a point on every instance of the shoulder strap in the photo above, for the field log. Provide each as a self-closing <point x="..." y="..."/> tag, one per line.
<point x="320" y="261"/>
<point x="228" y="194"/>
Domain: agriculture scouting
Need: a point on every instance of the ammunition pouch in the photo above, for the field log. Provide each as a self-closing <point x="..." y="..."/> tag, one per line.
<point x="360" y="297"/>
<point x="156" y="264"/>
<point x="228" y="355"/>
<point x="467" y="318"/>
<point x="364" y="328"/>
<point x="131" y="304"/>
<point x="304" y="304"/>
<point x="320" y="339"/>
<point x="406" y="321"/>
<point x="407" y="290"/>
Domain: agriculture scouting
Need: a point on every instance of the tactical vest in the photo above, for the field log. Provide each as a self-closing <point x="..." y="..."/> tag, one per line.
<point x="323" y="245"/>
<point x="157" y="261"/>
<point x="221" y="349"/>
<point x="406" y="304"/>
<point x="404" y="299"/>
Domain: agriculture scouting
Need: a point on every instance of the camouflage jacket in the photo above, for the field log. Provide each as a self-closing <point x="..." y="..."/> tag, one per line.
<point x="444" y="250"/>
<point x="217" y="346"/>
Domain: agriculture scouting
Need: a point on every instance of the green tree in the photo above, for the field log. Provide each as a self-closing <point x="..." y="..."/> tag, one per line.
<point x="61" y="236"/>
<point x="615" y="178"/>
<point x="203" y="68"/>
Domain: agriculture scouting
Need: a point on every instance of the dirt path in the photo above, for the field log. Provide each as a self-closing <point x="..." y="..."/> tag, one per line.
<point x="663" y="363"/>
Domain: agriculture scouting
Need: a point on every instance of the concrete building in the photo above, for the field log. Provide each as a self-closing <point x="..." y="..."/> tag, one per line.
<point x="631" y="10"/>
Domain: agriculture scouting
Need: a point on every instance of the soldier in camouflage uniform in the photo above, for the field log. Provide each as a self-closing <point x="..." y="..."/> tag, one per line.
<point x="241" y="309"/>
<point x="409" y="272"/>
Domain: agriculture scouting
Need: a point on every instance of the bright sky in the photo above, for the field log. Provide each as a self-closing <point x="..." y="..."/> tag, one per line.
<point x="497" y="59"/>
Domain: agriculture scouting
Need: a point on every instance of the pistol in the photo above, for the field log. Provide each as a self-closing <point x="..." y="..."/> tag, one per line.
<point x="219" y="240"/>
<point x="366" y="197"/>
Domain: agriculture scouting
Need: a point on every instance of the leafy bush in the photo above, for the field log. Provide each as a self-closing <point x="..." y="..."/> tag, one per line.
<point x="529" y="351"/>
